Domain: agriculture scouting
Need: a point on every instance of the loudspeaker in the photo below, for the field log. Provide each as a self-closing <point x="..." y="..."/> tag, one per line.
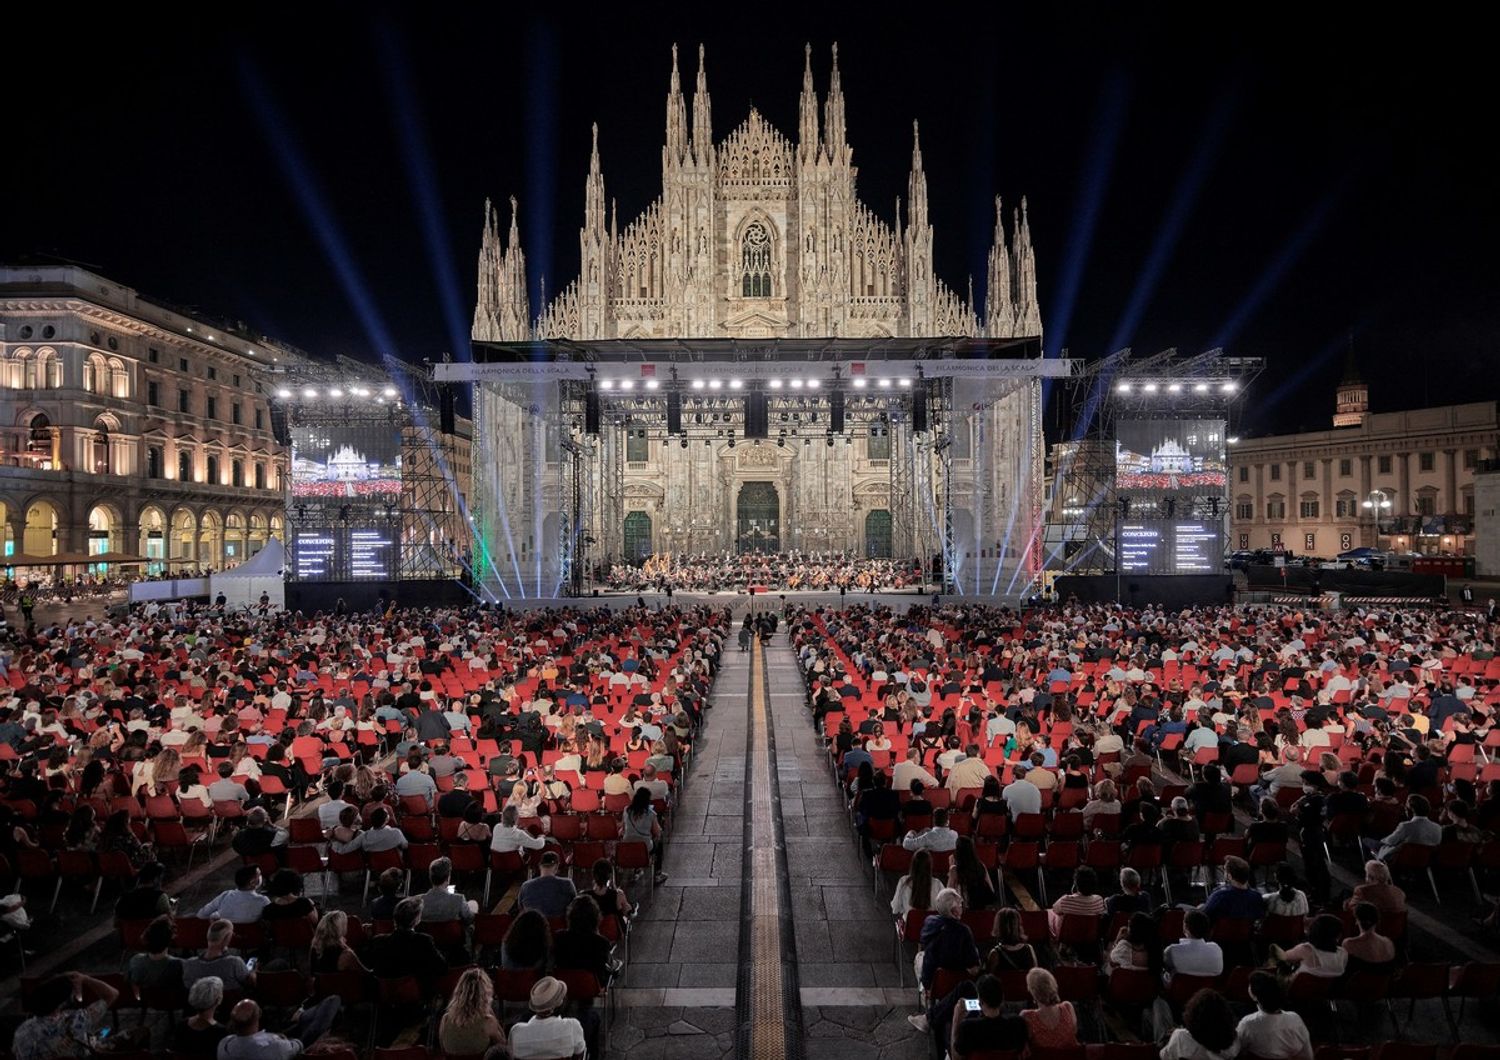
<point x="919" y="408"/>
<point x="674" y="412"/>
<point x="591" y="411"/>
<point x="836" y="411"/>
<point x="757" y="414"/>
<point x="445" y="410"/>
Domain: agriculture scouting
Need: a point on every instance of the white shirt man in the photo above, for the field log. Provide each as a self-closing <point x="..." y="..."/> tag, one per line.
<point x="1022" y="796"/>
<point x="910" y="769"/>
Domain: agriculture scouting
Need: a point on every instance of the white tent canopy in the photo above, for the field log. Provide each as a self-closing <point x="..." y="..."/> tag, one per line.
<point x="242" y="586"/>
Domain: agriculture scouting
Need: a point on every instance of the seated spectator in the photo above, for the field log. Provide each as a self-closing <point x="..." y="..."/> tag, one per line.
<point x="1418" y="829"/>
<point x="612" y="900"/>
<point x="915" y="889"/>
<point x="967" y="875"/>
<point x="1082" y="900"/>
<point x="382" y="835"/>
<point x="227" y="788"/>
<point x="989" y="1029"/>
<point x="145" y="899"/>
<point x="1131" y="899"/>
<point x="248" y="1041"/>
<point x="548" y="1035"/>
<point x="1194" y="954"/>
<point x="259" y="835"/>
<point x="1208" y="1030"/>
<point x="1288" y="899"/>
<point x="938" y="837"/>
<point x="331" y="812"/>
<point x="1321" y="955"/>
<point x="1235" y="899"/>
<point x="946" y="943"/>
<point x="200" y="1034"/>
<point x="117" y="837"/>
<point x="388" y="894"/>
<point x="527" y="946"/>
<point x="1020" y="795"/>
<point x="640" y="823"/>
<point x="1378" y="889"/>
<point x="330" y="951"/>
<point x="1270" y="829"/>
<point x="1369" y="951"/>
<point x="155" y="968"/>
<point x="507" y="837"/>
<point x="443" y="902"/>
<point x="344" y="836"/>
<point x="287" y="902"/>
<point x="455" y="803"/>
<point x="242" y="904"/>
<point x="217" y="961"/>
<point x="1012" y="951"/>
<point x="580" y="946"/>
<point x="469" y="1025"/>
<point x="1136" y="946"/>
<point x="405" y="951"/>
<point x="67" y="1013"/>
<point x="1269" y="1032"/>
<point x="547" y="892"/>
<point x="473" y="828"/>
<point x="1052" y="1024"/>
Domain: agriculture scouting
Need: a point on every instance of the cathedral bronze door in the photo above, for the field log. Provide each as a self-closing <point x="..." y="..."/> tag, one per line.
<point x="759" y="518"/>
<point x="637" y="537"/>
<point x="878" y="534"/>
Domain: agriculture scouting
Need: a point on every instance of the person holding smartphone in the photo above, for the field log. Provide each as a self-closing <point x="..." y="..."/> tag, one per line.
<point x="980" y="1024"/>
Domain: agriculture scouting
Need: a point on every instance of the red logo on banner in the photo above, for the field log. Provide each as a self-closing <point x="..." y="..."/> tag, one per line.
<point x="648" y="371"/>
<point x="857" y="368"/>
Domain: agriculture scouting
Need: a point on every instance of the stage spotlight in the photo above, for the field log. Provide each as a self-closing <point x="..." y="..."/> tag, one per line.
<point x="904" y="382"/>
<point x="1149" y="388"/>
<point x="606" y="384"/>
<point x="389" y="391"/>
<point x="735" y="384"/>
<point x="309" y="393"/>
<point x="885" y="384"/>
<point x="283" y="393"/>
<point x="776" y="384"/>
<point x="1228" y="388"/>
<point x="652" y="384"/>
<point x="714" y="384"/>
<point x="1123" y="388"/>
<point x="859" y="384"/>
<point x="813" y="384"/>
<point x="335" y="393"/>
<point x="1200" y="388"/>
<point x="1174" y="388"/>
<point x="626" y="384"/>
<point x="796" y="384"/>
<point x="697" y="384"/>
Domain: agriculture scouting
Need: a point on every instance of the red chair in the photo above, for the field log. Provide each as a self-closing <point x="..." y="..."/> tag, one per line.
<point x="1132" y="987"/>
<point x="490" y="928"/>
<point x="1421" y="982"/>
<point x="1412" y="858"/>
<point x="80" y="867"/>
<point x="893" y="860"/>
<point x="305" y="829"/>
<point x="1477" y="980"/>
<point x="505" y="865"/>
<point x="636" y="857"/>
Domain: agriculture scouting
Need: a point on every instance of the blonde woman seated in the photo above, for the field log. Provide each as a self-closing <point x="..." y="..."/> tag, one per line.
<point x="1052" y="1024"/>
<point x="330" y="951"/>
<point x="469" y="1026"/>
<point x="529" y="803"/>
<point x="1106" y="801"/>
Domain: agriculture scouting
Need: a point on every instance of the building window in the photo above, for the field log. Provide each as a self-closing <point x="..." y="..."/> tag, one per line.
<point x="236" y="473"/>
<point x="1346" y="468"/>
<point x="1426" y="504"/>
<point x="260" y="476"/>
<point x="1468" y="504"/>
<point x="234" y="412"/>
<point x="1244" y="473"/>
<point x="213" y="470"/>
<point x="1345" y="508"/>
<point x="1308" y="509"/>
<point x="879" y="446"/>
<point x="184" y="466"/>
<point x="1309" y="470"/>
<point x="755" y="262"/>
<point x="153" y="392"/>
<point x="1244" y="510"/>
<point x="236" y="380"/>
<point x="153" y="462"/>
<point x="1384" y="463"/>
<point x="637" y="447"/>
<point x="1471" y="458"/>
<point x="260" y="420"/>
<point x="1275" y="509"/>
<point x="182" y="365"/>
<point x="184" y="403"/>
<point x="1424" y="461"/>
<point x="1275" y="472"/>
<point x="213" y="373"/>
<point x="213" y="407"/>
<point x="153" y="355"/>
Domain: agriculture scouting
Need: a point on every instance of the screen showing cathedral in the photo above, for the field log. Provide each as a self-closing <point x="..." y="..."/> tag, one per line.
<point x="354" y="463"/>
<point x="1158" y="458"/>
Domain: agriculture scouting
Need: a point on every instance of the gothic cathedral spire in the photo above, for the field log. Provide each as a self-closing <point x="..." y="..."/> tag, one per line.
<point x="703" y="133"/>
<point x="833" y="114"/>
<point x="999" y="305"/>
<point x="807" y="111"/>
<point x="921" y="284"/>
<point x="594" y="247"/>
<point x="677" y="121"/>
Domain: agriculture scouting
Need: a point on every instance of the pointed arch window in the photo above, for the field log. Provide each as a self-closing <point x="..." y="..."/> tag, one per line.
<point x="755" y="262"/>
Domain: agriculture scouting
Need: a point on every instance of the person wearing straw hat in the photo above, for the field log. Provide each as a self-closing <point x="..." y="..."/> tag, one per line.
<point x="548" y="1034"/>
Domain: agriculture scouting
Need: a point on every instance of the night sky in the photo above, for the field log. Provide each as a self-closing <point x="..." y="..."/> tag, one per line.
<point x="1269" y="178"/>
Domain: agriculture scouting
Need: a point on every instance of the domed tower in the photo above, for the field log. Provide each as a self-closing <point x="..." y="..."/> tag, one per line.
<point x="1352" y="399"/>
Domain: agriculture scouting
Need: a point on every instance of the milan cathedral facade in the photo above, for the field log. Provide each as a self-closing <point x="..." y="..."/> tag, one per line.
<point x="757" y="236"/>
